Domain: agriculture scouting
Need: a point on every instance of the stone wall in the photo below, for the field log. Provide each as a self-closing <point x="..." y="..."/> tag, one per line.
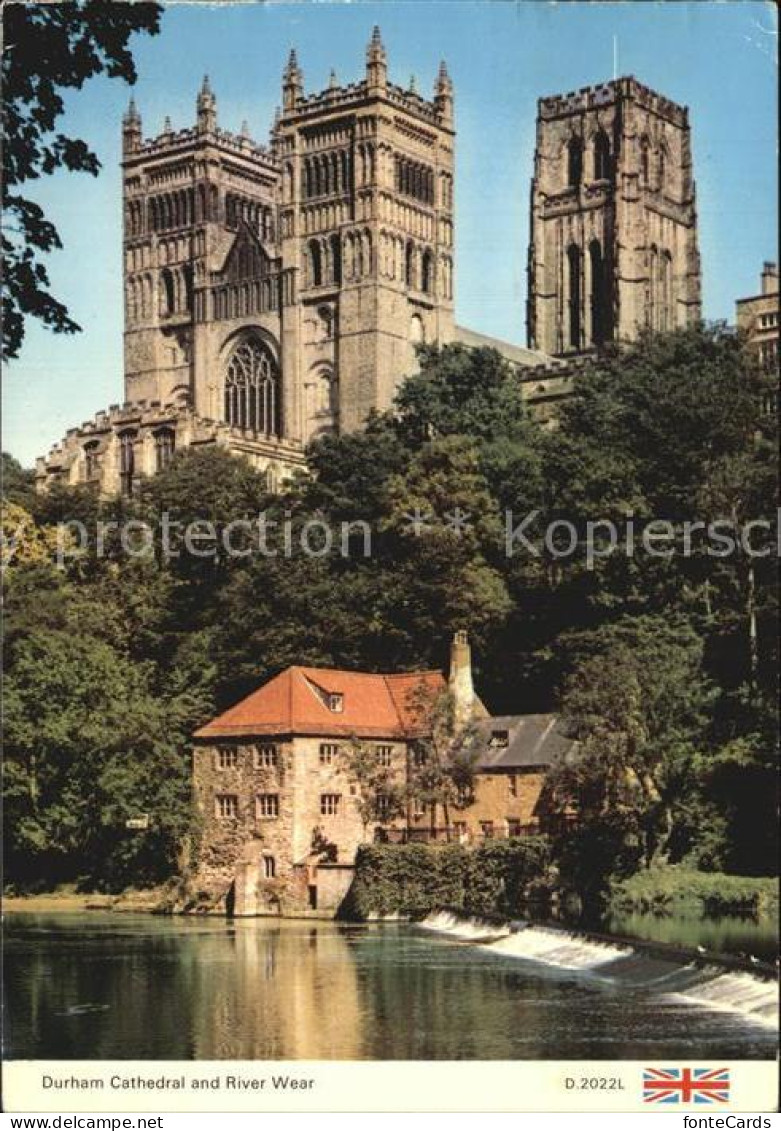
<point x="311" y="851"/>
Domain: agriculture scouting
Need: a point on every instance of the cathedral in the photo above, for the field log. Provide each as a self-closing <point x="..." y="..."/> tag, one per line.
<point x="275" y="293"/>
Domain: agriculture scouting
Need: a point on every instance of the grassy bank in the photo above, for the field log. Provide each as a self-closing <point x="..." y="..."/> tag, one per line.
<point x="680" y="890"/>
<point x="69" y="900"/>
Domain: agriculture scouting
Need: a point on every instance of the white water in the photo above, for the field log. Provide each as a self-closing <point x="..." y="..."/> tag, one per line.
<point x="617" y="964"/>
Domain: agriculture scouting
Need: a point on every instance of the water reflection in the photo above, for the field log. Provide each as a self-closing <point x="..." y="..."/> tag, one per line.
<point x="729" y="934"/>
<point x="119" y="987"/>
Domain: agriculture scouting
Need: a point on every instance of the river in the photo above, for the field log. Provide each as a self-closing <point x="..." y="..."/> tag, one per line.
<point x="126" y="986"/>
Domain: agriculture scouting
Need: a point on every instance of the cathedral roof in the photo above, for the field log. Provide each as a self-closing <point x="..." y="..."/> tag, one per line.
<point x="324" y="701"/>
<point x="518" y="355"/>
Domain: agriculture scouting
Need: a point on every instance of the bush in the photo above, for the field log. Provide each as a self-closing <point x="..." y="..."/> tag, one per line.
<point x="675" y="890"/>
<point x="415" y="879"/>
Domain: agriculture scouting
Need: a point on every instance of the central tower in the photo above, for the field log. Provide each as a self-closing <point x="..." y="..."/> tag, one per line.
<point x="613" y="245"/>
<point x="366" y="226"/>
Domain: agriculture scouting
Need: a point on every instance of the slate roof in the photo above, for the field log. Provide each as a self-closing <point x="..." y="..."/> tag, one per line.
<point x="519" y="355"/>
<point x="296" y="702"/>
<point x="533" y="740"/>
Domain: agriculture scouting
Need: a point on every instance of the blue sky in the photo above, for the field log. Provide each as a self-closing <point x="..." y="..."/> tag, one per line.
<point x="718" y="58"/>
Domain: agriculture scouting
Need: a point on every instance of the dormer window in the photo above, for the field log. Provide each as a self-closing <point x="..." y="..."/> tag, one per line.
<point x="335" y="702"/>
<point x="500" y="738"/>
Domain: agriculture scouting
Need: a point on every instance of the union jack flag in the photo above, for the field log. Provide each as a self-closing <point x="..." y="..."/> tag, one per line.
<point x="685" y="1085"/>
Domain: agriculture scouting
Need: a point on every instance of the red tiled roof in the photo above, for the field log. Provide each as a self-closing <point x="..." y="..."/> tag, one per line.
<point x="294" y="702"/>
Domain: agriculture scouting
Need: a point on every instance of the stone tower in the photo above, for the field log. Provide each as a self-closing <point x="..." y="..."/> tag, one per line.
<point x="613" y="246"/>
<point x="366" y="230"/>
<point x="187" y="194"/>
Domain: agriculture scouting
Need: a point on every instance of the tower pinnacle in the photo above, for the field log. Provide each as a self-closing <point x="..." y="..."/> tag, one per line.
<point x="376" y="61"/>
<point x="292" y="82"/>
<point x="131" y="127"/>
<point x="443" y="94"/>
<point x="206" y="108"/>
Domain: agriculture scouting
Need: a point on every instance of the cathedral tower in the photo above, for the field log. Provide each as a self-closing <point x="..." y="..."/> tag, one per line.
<point x="186" y="193"/>
<point x="613" y="246"/>
<point x="366" y="227"/>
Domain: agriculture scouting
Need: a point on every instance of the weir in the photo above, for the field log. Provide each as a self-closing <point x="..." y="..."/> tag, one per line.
<point x="711" y="981"/>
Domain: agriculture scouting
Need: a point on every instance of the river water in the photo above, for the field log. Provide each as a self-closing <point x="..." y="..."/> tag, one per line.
<point x="120" y="986"/>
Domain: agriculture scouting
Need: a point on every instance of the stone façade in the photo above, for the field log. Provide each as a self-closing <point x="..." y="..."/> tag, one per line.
<point x="277" y="292"/>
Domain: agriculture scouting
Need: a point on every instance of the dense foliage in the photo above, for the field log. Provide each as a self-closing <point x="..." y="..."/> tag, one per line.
<point x="50" y="48"/>
<point x="665" y="891"/>
<point x="414" y="879"/>
<point x="663" y="665"/>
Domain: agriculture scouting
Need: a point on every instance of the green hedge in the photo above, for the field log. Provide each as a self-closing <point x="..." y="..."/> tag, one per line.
<point x="672" y="889"/>
<point x="414" y="879"/>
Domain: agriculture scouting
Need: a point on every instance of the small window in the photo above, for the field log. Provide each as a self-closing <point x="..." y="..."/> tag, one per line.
<point x="419" y="757"/>
<point x="267" y="806"/>
<point x="227" y="758"/>
<point x="514" y="827"/>
<point x="500" y="738"/>
<point x="487" y="829"/>
<point x="126" y="461"/>
<point x="328" y="751"/>
<point x="269" y="867"/>
<point x="329" y="804"/>
<point x="165" y="443"/>
<point x="383" y="806"/>
<point x="91" y="459"/>
<point x="265" y="756"/>
<point x="226" y="806"/>
<point x="574" y="162"/>
<point x="601" y="157"/>
<point x="385" y="755"/>
<point x="512" y="785"/>
<point x="336" y="702"/>
<point x="460" y="829"/>
<point x="418" y="809"/>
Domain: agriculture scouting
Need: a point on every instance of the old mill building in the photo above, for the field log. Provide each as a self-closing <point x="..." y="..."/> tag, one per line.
<point x="276" y="292"/>
<point x="280" y="812"/>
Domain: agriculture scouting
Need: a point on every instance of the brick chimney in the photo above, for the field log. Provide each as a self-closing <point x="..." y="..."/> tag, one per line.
<point x="460" y="682"/>
<point x="769" y="278"/>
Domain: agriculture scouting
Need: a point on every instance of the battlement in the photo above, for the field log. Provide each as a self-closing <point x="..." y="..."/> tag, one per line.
<point x="352" y="94"/>
<point x="172" y="142"/>
<point x="605" y="94"/>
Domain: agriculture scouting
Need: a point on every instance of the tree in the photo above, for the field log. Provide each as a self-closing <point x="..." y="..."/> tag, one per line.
<point x="443" y="758"/>
<point x="18" y="483"/>
<point x="48" y="48"/>
<point x="636" y="702"/>
<point x="380" y="792"/>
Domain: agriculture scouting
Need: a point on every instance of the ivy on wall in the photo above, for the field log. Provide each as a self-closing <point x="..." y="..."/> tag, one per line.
<point x="415" y="879"/>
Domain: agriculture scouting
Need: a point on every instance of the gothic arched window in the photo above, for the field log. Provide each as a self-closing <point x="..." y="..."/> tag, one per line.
<point x="600" y="315"/>
<point x="315" y="264"/>
<point x="662" y="167"/>
<point x="252" y="389"/>
<point x="127" y="461"/>
<point x="336" y="260"/>
<point x="167" y="292"/>
<point x="91" y="459"/>
<point x="574" y="162"/>
<point x="666" y="291"/>
<point x="427" y="271"/>
<point x="601" y="157"/>
<point x="409" y="265"/>
<point x="645" y="160"/>
<point x="574" y="271"/>
<point x="165" y="442"/>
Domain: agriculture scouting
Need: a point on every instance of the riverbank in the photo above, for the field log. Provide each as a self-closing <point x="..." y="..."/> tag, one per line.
<point x="68" y="900"/>
<point x="674" y="890"/>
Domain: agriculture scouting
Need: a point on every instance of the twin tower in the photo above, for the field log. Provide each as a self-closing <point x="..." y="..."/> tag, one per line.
<point x="277" y="292"/>
<point x="282" y="289"/>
